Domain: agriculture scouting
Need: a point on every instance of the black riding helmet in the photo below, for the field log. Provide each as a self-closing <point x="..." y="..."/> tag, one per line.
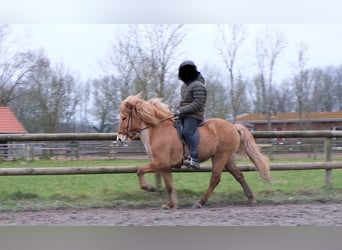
<point x="187" y="71"/>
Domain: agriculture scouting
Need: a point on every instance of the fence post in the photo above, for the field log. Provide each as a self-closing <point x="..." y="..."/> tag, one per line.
<point x="26" y="152"/>
<point x="327" y="151"/>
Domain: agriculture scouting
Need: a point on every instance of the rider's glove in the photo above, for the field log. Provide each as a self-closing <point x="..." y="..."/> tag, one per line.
<point x="176" y="114"/>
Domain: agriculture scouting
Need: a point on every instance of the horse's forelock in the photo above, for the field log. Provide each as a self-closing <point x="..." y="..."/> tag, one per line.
<point x="129" y="102"/>
<point x="125" y="107"/>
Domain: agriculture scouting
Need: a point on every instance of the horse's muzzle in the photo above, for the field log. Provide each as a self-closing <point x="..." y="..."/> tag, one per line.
<point x="121" y="139"/>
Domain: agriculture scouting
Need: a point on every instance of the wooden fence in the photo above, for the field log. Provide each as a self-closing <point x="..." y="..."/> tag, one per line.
<point x="133" y="169"/>
<point x="112" y="136"/>
<point x="328" y="165"/>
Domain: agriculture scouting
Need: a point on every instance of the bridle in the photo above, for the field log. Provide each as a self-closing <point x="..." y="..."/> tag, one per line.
<point x="131" y="133"/>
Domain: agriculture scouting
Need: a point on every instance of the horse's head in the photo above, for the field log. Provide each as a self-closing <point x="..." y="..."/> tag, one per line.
<point x="135" y="115"/>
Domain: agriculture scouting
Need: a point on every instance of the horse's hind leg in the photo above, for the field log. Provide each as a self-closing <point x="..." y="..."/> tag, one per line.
<point x="214" y="181"/>
<point x="235" y="171"/>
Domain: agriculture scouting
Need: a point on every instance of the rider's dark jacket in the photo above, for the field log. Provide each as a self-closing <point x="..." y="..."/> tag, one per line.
<point x="194" y="96"/>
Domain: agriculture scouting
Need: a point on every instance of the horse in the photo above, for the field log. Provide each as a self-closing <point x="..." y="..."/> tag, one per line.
<point x="153" y="122"/>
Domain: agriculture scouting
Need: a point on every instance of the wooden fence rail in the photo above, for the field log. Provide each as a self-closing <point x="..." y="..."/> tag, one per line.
<point x="327" y="134"/>
<point x="112" y="136"/>
<point x="298" y="134"/>
<point x="58" y="137"/>
<point x="133" y="169"/>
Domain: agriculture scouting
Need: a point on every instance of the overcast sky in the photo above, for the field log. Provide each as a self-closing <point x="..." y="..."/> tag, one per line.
<point x="82" y="46"/>
<point x="179" y="11"/>
<point x="77" y="34"/>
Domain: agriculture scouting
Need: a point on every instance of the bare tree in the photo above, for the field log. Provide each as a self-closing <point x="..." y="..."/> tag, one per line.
<point x="217" y="102"/>
<point x="268" y="50"/>
<point x="4" y="33"/>
<point x="301" y="82"/>
<point x="106" y="104"/>
<point x="54" y="98"/>
<point x="16" y="67"/>
<point x="338" y="88"/>
<point x="232" y="38"/>
<point x="284" y="94"/>
<point x="83" y="119"/>
<point x="324" y="96"/>
<point x="144" y="58"/>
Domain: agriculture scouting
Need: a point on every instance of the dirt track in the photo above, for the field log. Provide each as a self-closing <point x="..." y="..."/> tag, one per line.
<point x="232" y="215"/>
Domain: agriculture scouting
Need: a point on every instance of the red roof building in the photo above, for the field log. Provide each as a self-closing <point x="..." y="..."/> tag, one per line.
<point x="292" y="121"/>
<point x="9" y="124"/>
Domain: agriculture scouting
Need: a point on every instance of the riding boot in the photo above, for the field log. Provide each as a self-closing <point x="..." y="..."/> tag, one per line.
<point x="192" y="163"/>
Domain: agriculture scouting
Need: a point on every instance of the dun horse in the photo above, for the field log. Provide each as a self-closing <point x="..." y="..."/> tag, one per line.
<point x="219" y="140"/>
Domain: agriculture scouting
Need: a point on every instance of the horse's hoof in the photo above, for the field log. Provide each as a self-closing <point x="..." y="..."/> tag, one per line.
<point x="197" y="205"/>
<point x="253" y="203"/>
<point x="167" y="207"/>
<point x="150" y="189"/>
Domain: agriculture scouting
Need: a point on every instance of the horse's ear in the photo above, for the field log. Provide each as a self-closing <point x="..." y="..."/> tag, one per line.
<point x="128" y="105"/>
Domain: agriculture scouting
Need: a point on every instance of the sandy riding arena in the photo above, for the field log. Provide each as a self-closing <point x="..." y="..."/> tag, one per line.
<point x="316" y="214"/>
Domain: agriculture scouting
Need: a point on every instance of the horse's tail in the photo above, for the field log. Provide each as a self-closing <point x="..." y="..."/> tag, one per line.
<point x="250" y="148"/>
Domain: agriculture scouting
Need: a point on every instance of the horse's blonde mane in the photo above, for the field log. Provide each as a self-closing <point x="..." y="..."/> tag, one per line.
<point x="151" y="111"/>
<point x="160" y="106"/>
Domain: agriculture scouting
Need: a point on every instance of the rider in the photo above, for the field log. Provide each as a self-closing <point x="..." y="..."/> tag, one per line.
<point x="191" y="108"/>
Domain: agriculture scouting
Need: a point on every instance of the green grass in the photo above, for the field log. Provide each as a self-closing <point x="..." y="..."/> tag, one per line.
<point x="113" y="190"/>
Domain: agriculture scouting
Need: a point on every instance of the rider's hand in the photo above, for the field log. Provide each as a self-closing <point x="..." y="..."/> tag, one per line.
<point x="177" y="113"/>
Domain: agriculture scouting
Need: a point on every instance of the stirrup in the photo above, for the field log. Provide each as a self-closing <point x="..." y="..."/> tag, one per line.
<point x="191" y="163"/>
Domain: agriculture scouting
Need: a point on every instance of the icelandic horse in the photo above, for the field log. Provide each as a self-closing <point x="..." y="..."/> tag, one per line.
<point x="153" y="122"/>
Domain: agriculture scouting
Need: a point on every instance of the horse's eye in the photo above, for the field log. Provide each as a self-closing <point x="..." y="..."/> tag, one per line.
<point x="124" y="118"/>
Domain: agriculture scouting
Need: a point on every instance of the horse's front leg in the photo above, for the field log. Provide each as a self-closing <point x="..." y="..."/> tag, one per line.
<point x="173" y="203"/>
<point x="148" y="168"/>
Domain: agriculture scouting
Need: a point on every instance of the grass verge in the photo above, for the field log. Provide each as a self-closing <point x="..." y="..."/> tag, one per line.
<point x="114" y="190"/>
